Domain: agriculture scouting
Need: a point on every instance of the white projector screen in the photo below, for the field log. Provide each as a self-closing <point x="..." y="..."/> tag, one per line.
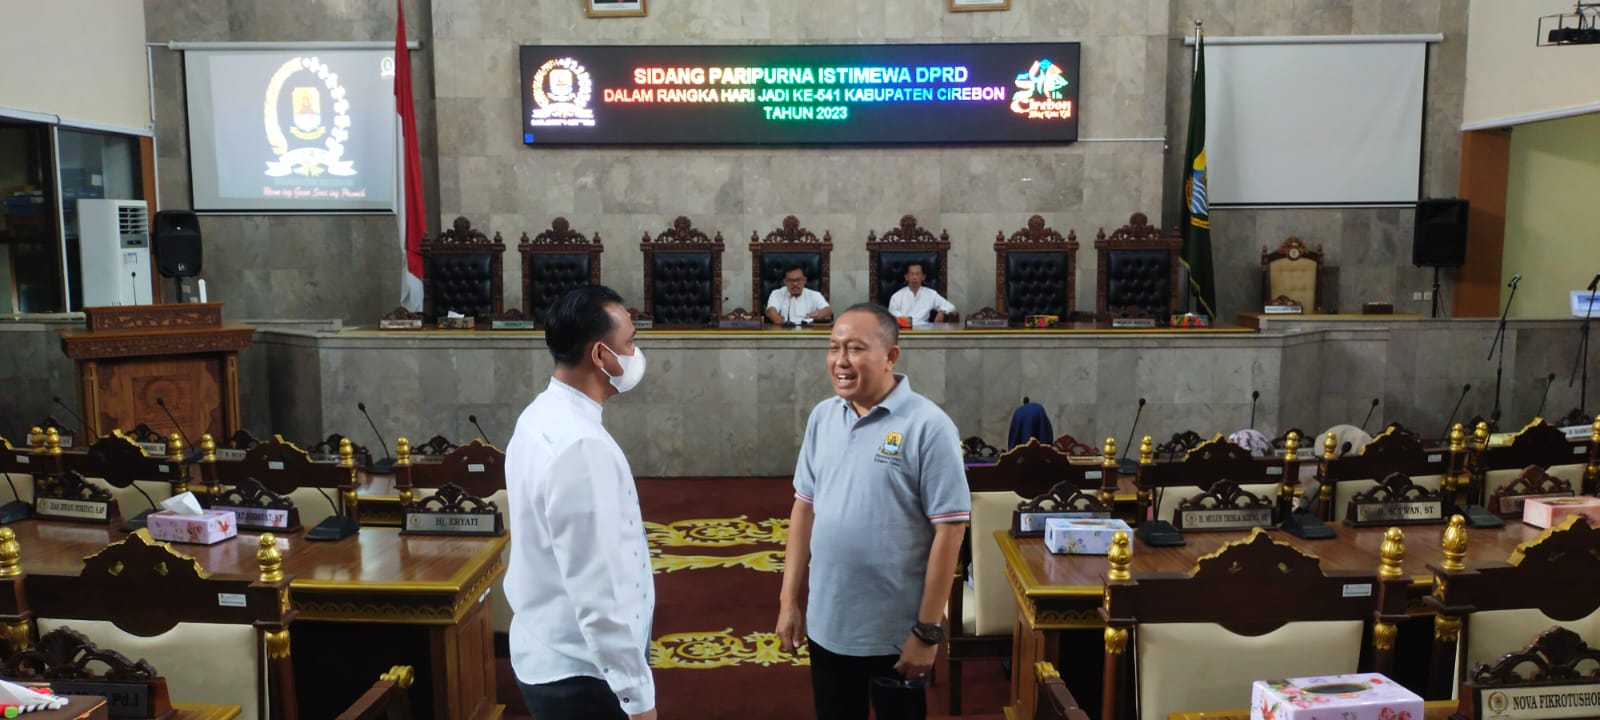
<point x="291" y="130"/>
<point x="1314" y="123"/>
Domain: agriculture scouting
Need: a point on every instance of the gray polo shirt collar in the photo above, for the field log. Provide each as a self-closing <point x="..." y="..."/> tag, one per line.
<point x="892" y="403"/>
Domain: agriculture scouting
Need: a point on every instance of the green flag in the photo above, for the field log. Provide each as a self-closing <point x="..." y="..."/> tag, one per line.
<point x="1196" y="218"/>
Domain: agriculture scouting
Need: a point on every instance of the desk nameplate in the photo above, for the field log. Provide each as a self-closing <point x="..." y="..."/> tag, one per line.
<point x="1537" y="702"/>
<point x="1402" y="512"/>
<point x="230" y="454"/>
<point x="100" y="511"/>
<point x="452" y="523"/>
<point x="123" y="699"/>
<point x="1033" y="522"/>
<point x="511" y="325"/>
<point x="401" y="324"/>
<point x="1222" y="518"/>
<point x="259" y="518"/>
<point x="1133" y="322"/>
<point x="1000" y="323"/>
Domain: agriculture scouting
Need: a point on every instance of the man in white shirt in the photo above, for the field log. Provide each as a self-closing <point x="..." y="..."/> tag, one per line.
<point x="796" y="303"/>
<point x="917" y="302"/>
<point x="579" y="583"/>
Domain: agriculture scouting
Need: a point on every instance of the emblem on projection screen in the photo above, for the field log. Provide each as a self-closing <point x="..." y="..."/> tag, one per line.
<point x="297" y="98"/>
<point x="561" y="91"/>
<point x="1039" y="92"/>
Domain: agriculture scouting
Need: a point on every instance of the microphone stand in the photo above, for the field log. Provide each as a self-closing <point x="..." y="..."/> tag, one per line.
<point x="1500" y="345"/>
<point x="1583" y="354"/>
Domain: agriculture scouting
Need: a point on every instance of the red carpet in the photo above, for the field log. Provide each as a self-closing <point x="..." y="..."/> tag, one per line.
<point x="718" y="549"/>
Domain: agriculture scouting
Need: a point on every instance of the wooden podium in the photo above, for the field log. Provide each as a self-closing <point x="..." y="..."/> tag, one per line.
<point x="129" y="356"/>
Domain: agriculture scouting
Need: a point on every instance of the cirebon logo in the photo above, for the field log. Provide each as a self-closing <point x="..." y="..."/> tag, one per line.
<point x="1039" y="92"/>
<point x="561" y="90"/>
<point x="316" y="148"/>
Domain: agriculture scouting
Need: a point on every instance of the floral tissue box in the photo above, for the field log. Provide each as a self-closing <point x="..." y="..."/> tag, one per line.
<point x="1083" y="536"/>
<point x="207" y="528"/>
<point x="1363" y="696"/>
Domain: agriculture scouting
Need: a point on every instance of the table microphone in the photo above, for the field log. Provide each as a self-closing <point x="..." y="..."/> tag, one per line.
<point x="57" y="400"/>
<point x="1154" y="531"/>
<point x="1254" y="396"/>
<point x="1303" y="521"/>
<point x="386" y="465"/>
<point x="485" y="436"/>
<point x="189" y="449"/>
<point x="133" y="285"/>
<point x="337" y="526"/>
<point x="1451" y="422"/>
<point x="1547" y="383"/>
<point x="1368" y="418"/>
<point x="1126" y="466"/>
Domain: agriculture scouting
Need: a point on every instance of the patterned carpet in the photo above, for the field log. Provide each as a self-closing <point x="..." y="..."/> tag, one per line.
<point x="717" y="548"/>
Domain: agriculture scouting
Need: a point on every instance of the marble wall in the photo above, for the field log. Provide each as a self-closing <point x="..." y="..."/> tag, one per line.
<point x="32" y="369"/>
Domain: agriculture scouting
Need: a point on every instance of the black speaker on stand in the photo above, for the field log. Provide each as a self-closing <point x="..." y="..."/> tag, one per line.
<point x="176" y="244"/>
<point x="1439" y="238"/>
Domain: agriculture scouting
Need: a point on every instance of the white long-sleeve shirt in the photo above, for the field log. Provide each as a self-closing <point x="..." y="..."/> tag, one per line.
<point x="918" y="306"/>
<point x="579" y="583"/>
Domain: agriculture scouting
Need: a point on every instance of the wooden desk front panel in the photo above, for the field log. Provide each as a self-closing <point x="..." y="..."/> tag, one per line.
<point x="193" y="386"/>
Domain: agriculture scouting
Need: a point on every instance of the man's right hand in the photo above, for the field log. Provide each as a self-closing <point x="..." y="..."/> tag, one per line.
<point x="791" y="628"/>
<point x="648" y="715"/>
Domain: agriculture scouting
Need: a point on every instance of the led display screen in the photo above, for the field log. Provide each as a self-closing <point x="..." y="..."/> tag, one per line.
<point x="799" y="94"/>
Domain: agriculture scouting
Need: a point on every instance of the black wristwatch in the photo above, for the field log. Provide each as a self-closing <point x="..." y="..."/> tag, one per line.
<point x="930" y="633"/>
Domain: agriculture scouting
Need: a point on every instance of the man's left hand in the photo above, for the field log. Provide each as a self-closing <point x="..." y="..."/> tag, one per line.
<point x="916" y="660"/>
<point x="939" y="317"/>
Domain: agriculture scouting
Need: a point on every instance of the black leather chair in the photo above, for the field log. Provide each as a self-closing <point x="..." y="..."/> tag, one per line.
<point x="1138" y="270"/>
<point x="1035" y="272"/>
<point x="781" y="249"/>
<point x="461" y="273"/>
<point x="682" y="276"/>
<point x="553" y="263"/>
<point x="889" y="256"/>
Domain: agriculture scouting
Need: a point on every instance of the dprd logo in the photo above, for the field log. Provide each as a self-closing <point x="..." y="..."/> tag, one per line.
<point x="891" y="444"/>
<point x="297" y="97"/>
<point x="1497" y="702"/>
<point x="1040" y="92"/>
<point x="561" y="90"/>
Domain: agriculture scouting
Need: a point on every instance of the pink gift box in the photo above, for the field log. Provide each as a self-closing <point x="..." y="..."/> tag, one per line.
<point x="1549" y="512"/>
<point x="207" y="528"/>
<point x="1363" y="696"/>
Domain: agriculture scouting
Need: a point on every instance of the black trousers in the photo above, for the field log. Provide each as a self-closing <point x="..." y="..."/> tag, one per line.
<point x="842" y="686"/>
<point x="573" y="698"/>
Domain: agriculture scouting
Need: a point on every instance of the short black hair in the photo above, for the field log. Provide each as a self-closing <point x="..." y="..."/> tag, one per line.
<point x="915" y="264"/>
<point x="791" y="267"/>
<point x="888" y="327"/>
<point x="577" y="319"/>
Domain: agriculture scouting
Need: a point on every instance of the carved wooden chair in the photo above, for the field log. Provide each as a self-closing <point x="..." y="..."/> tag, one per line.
<point x="1215" y="473"/>
<point x="387" y="700"/>
<point x="1055" y="702"/>
<point x="1485" y="611"/>
<point x="786" y="246"/>
<point x="554" y="262"/>
<point x="1292" y="273"/>
<point x="68" y="663"/>
<point x="1138" y="270"/>
<point x="16" y="468"/>
<point x="277" y="474"/>
<point x="1345" y="475"/>
<point x="1072" y="447"/>
<point x="1035" y="272"/>
<point x="1537" y="444"/>
<point x="1245" y="612"/>
<point x="899" y="247"/>
<point x="682" y="276"/>
<point x="129" y="472"/>
<point x="218" y="639"/>
<point x="977" y="451"/>
<point x="983" y="612"/>
<point x="461" y="273"/>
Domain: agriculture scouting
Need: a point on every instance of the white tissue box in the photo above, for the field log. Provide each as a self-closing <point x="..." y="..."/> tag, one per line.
<point x="207" y="528"/>
<point x="1083" y="536"/>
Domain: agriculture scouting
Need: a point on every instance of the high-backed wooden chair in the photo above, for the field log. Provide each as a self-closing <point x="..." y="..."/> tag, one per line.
<point x="282" y="468"/>
<point x="682" y="276"/>
<point x="461" y="273"/>
<point x="1291" y="272"/>
<point x="899" y="247"/>
<point x="1347" y="474"/>
<point x="1070" y="446"/>
<point x="1193" y="477"/>
<point x="1035" y="272"/>
<point x="784" y="247"/>
<point x="387" y="700"/>
<point x="217" y="639"/>
<point x="982" y="610"/>
<point x="554" y="262"/>
<point x="1243" y="613"/>
<point x="1485" y="611"/>
<point x="129" y="472"/>
<point x="67" y="657"/>
<point x="1055" y="702"/>
<point x="1138" y="270"/>
<point x="1539" y="444"/>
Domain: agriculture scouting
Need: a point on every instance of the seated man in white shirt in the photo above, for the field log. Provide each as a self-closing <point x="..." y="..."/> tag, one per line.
<point x="917" y="302"/>
<point x="795" y="303"/>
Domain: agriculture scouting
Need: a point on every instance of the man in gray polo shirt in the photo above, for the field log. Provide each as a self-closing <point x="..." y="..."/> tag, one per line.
<point x="881" y="502"/>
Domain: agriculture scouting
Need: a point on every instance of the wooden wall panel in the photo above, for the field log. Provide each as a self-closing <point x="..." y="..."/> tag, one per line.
<point x="1485" y="168"/>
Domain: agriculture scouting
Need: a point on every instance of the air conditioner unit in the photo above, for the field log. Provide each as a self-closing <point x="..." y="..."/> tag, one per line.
<point x="114" y="246"/>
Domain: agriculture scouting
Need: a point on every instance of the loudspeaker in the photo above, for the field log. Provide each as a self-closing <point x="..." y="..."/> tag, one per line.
<point x="175" y="238"/>
<point x="1440" y="234"/>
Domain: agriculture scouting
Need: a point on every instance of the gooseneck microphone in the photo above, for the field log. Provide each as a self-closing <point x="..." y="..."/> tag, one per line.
<point x="188" y="446"/>
<point x="1254" y="396"/>
<point x="386" y="465"/>
<point x="1368" y="418"/>
<point x="481" y="434"/>
<point x="133" y="285"/>
<point x="57" y="400"/>
<point x="1124" y="465"/>
<point x="1551" y="380"/>
<point x="1451" y="422"/>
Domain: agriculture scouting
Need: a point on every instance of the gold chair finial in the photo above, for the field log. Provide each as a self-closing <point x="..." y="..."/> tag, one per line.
<point x="347" y="453"/>
<point x="208" y="448"/>
<point x="1120" y="556"/>
<point x="10" y="553"/>
<point x="1458" y="437"/>
<point x="270" y="558"/>
<point x="36" y="438"/>
<point x="52" y="441"/>
<point x="1291" y="446"/>
<point x="175" y="448"/>
<point x="1147" y="450"/>
<point x="1329" y="445"/>
<point x="402" y="675"/>
<point x="1595" y="435"/>
<point x="402" y="451"/>
<point x="1480" y="435"/>
<point x="1391" y="553"/>
<point x="1454" y="544"/>
<point x="1108" y="453"/>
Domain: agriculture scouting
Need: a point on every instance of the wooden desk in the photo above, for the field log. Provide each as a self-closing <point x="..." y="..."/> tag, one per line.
<point x="363" y="604"/>
<point x="1060" y="593"/>
<point x="1431" y="710"/>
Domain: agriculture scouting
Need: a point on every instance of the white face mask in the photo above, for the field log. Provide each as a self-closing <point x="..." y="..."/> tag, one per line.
<point x="632" y="369"/>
